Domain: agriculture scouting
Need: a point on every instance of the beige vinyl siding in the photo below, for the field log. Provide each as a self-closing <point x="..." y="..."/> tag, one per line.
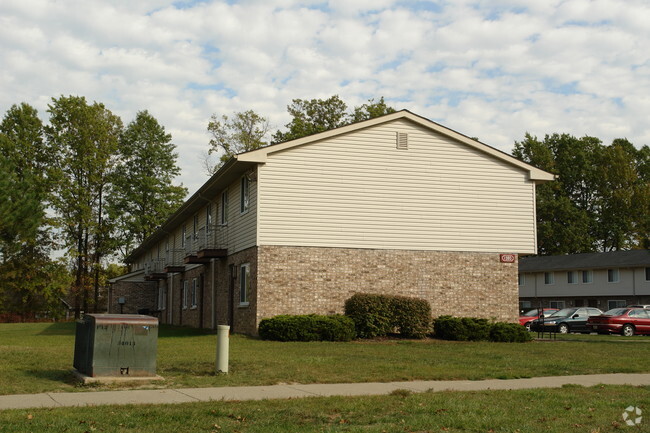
<point x="358" y="190"/>
<point x="242" y="227"/>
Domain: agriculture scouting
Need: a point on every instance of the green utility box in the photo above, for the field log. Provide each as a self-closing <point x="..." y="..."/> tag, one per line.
<point x="116" y="345"/>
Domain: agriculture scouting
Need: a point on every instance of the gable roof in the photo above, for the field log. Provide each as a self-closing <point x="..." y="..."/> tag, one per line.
<point x="243" y="162"/>
<point x="614" y="259"/>
<point x="260" y="155"/>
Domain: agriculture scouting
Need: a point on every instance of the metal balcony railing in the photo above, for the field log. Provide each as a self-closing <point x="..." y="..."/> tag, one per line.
<point x="211" y="237"/>
<point x="154" y="266"/>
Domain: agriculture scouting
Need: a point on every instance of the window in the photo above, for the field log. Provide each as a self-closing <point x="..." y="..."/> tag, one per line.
<point x="208" y="217"/>
<point x="195" y="225"/>
<point x="647" y="274"/>
<point x="522" y="279"/>
<point x="556" y="304"/>
<point x="194" y="287"/>
<point x="244" y="283"/>
<point x="612" y="276"/>
<point x="587" y="277"/>
<point x="616" y="303"/>
<point x="572" y="277"/>
<point x="183" y="233"/>
<point x="244" y="195"/>
<point x="579" y="303"/>
<point x="185" y="294"/>
<point x="549" y="278"/>
<point x="524" y="305"/>
<point x="224" y="208"/>
<point x="162" y="298"/>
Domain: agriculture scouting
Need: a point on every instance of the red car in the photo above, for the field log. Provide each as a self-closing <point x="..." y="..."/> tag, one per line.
<point x="533" y="314"/>
<point x="626" y="321"/>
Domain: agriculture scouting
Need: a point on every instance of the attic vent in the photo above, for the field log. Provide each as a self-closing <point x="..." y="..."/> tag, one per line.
<point x="402" y="140"/>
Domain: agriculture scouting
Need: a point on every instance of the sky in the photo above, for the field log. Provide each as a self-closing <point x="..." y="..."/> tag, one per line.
<point x="492" y="69"/>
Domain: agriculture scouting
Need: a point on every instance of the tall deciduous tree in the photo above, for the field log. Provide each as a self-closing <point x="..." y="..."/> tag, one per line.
<point x="370" y="110"/>
<point x="313" y="116"/>
<point x="599" y="201"/>
<point x="85" y="138"/>
<point x="241" y="132"/>
<point x="143" y="194"/>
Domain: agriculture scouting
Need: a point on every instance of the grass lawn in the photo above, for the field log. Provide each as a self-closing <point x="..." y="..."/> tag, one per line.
<point x="566" y="410"/>
<point x="38" y="358"/>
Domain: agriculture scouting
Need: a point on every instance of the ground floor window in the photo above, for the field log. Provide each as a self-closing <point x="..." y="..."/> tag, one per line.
<point x="194" y="287"/>
<point x="556" y="304"/>
<point x="185" y="284"/>
<point x="616" y="303"/>
<point x="244" y="283"/>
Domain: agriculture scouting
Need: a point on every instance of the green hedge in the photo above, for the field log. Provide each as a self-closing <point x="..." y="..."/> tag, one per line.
<point x="310" y="327"/>
<point x="474" y="329"/>
<point x="380" y="315"/>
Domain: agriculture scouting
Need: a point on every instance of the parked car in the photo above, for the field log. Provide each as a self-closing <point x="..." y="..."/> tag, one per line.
<point x="566" y="320"/>
<point x="526" y="318"/>
<point x="626" y="321"/>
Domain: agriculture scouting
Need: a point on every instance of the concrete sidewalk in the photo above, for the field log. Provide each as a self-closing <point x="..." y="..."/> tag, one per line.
<point x="189" y="395"/>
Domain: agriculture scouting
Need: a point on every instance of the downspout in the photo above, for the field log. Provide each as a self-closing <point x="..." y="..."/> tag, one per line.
<point x="213" y="323"/>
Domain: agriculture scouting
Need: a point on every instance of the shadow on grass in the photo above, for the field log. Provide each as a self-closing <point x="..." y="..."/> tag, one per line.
<point x="58" y="376"/>
<point x="59" y="328"/>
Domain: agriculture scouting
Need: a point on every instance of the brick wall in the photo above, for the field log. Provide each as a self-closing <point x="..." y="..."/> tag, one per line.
<point x="137" y="295"/>
<point x="303" y="280"/>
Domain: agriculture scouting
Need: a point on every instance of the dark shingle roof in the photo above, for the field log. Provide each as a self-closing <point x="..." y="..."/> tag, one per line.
<point x="614" y="259"/>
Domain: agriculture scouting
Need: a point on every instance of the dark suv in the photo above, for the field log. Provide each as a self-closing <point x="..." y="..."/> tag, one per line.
<point x="566" y="320"/>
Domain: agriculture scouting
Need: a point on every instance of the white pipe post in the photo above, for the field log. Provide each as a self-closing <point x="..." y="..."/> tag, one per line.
<point x="223" y="343"/>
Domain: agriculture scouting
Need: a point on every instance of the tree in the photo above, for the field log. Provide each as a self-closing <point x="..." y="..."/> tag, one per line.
<point x="313" y="116"/>
<point x="600" y="200"/>
<point x="319" y="115"/>
<point x="85" y="138"/>
<point x="242" y="132"/>
<point x="142" y="194"/>
<point x="370" y="110"/>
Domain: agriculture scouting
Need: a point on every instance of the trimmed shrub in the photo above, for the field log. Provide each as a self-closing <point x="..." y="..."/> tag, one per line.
<point x="309" y="327"/>
<point x="379" y="315"/>
<point x="474" y="329"/>
<point x="412" y="317"/>
<point x="509" y="333"/>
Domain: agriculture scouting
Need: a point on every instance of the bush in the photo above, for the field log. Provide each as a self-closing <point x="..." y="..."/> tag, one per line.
<point x="509" y="333"/>
<point x="379" y="315"/>
<point x="474" y="329"/>
<point x="310" y="327"/>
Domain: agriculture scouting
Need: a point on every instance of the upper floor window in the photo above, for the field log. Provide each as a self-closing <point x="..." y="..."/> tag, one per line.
<point x="208" y="216"/>
<point x="647" y="274"/>
<point x="224" y="208"/>
<point x="522" y="279"/>
<point x="195" y="225"/>
<point x="183" y="234"/>
<point x="587" y="276"/>
<point x="572" y="277"/>
<point x="244" y="194"/>
<point x="549" y="278"/>
<point x="613" y="276"/>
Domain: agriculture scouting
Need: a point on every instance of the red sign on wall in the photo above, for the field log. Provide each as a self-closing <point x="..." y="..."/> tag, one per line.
<point x="507" y="258"/>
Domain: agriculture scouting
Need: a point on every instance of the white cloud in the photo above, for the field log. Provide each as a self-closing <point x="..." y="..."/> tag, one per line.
<point x="493" y="69"/>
